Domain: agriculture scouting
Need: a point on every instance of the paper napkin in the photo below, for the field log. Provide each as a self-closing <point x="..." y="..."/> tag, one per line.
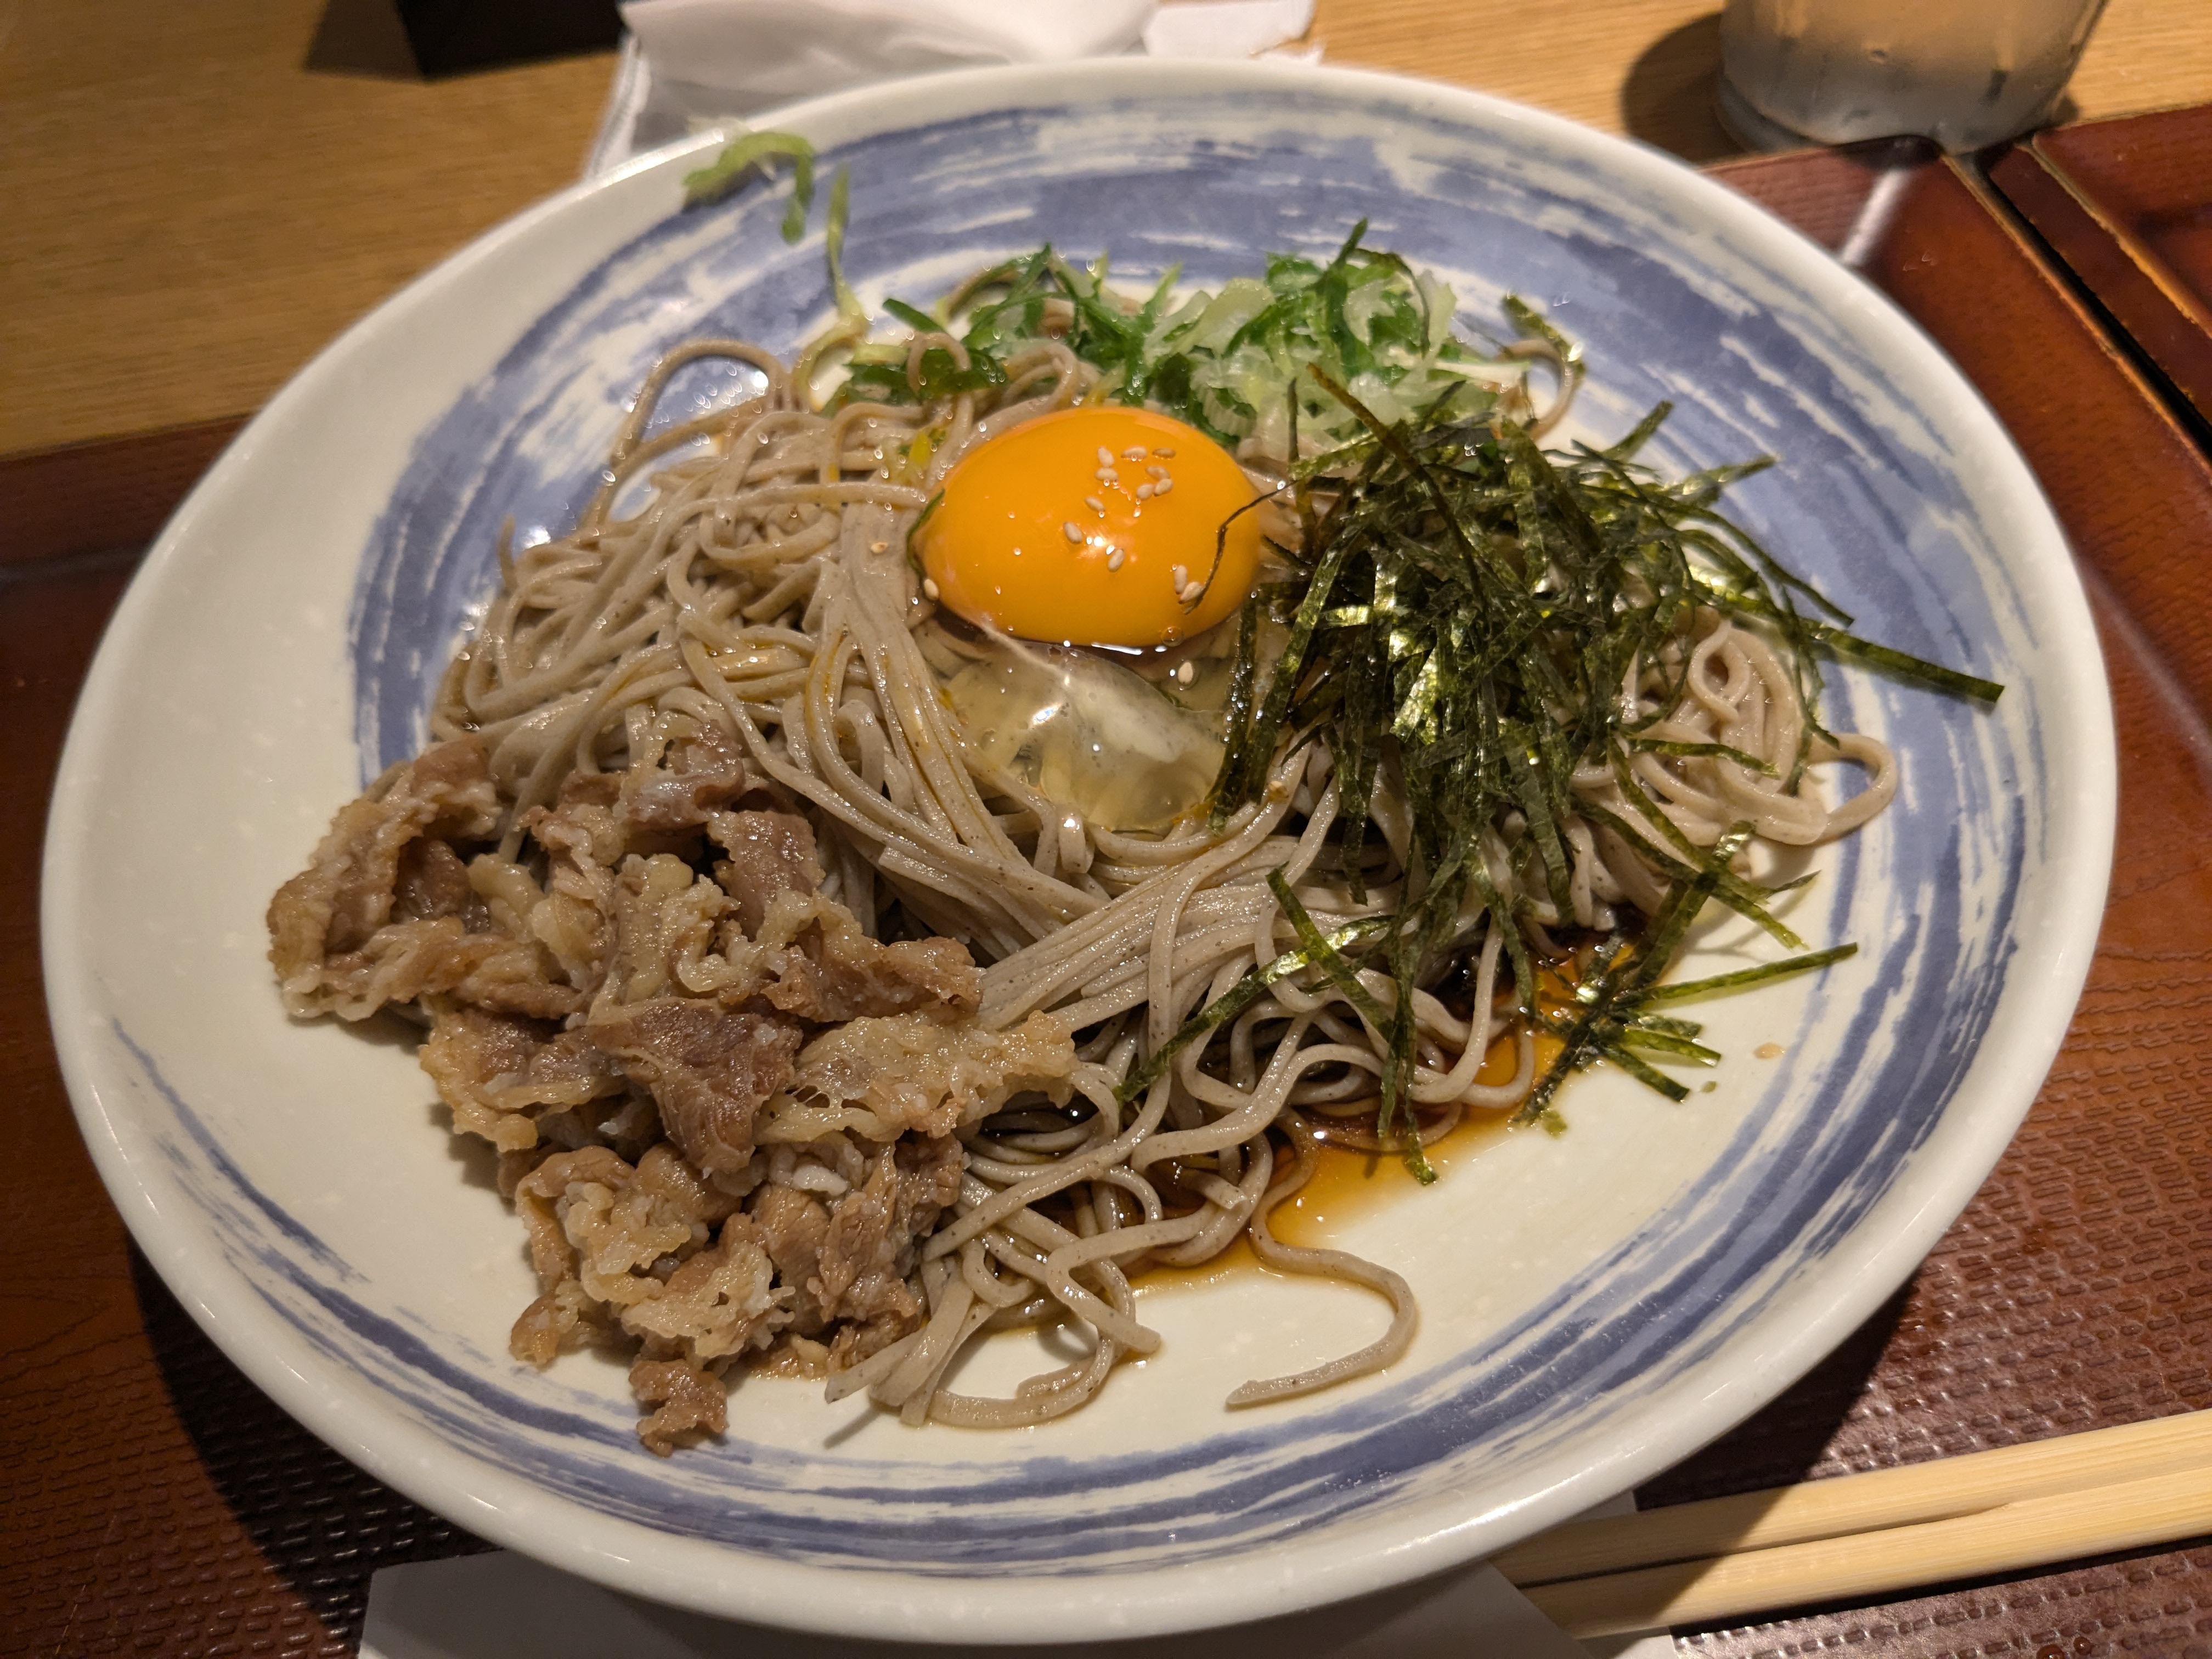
<point x="689" y="64"/>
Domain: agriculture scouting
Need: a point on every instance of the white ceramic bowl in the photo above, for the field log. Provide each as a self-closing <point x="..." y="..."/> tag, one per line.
<point x="1594" y="1306"/>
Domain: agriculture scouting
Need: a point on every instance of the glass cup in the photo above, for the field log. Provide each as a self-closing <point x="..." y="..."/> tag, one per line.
<point x="1965" y="73"/>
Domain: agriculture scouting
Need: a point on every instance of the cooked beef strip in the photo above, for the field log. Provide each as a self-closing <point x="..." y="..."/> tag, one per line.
<point x="709" y="1067"/>
<point x="336" y="904"/>
<point x="769" y="854"/>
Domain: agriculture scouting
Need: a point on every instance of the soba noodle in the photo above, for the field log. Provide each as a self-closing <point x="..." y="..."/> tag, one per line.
<point x="743" y="574"/>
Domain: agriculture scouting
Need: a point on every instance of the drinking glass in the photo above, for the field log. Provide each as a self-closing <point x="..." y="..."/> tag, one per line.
<point x="1965" y="73"/>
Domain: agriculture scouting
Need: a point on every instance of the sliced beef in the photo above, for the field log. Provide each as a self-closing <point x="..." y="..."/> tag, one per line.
<point x="565" y="1311"/>
<point x="493" y="1070"/>
<point x="793" y="1225"/>
<point x="345" y="894"/>
<point x="405" y="960"/>
<point x="873" y="1243"/>
<point x="670" y="922"/>
<point x="827" y="978"/>
<point x="829" y="970"/>
<point x="582" y="840"/>
<point x="701" y="775"/>
<point x="690" y="1404"/>
<point x="633" y="1252"/>
<point x="432" y="883"/>
<point x="718" y="1304"/>
<point x="918" y="1073"/>
<point x="591" y="789"/>
<point x="769" y="854"/>
<point x="849" y="1259"/>
<point x="600" y="1229"/>
<point x="593" y="987"/>
<point x="709" y="1069"/>
<point x="561" y="1318"/>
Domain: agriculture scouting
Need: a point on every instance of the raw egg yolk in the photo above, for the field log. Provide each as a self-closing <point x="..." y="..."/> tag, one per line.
<point x="1094" y="527"/>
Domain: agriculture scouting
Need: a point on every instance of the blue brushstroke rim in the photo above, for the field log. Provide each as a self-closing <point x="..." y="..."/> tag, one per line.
<point x="105" y="1138"/>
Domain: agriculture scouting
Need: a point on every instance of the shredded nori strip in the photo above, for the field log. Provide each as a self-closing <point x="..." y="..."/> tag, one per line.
<point x="1465" y="610"/>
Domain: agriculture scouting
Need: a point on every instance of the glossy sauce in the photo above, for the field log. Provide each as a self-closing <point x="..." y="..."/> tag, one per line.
<point x="1349" y="1183"/>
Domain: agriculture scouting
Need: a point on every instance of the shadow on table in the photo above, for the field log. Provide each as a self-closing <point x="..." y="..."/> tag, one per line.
<point x="362" y="37"/>
<point x="323" y="1525"/>
<point x="1784" y="1442"/>
<point x="1667" y="98"/>
<point x="432" y="39"/>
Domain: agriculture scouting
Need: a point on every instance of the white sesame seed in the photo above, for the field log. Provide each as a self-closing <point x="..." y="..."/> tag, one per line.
<point x="1074" y="530"/>
<point x="1135" y="454"/>
<point x="1181" y="575"/>
<point x="1165" y="455"/>
<point x="878" y="547"/>
<point x="1158" y="471"/>
<point x="1105" y="456"/>
<point x="1107" y="475"/>
<point x="1094" y="503"/>
<point x="1143" y="492"/>
<point x="1163" y="486"/>
<point x="1114" y="559"/>
<point x="929" y="588"/>
<point x="1186" y="673"/>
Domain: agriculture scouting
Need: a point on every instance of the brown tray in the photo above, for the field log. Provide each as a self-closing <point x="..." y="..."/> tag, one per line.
<point x="153" y="1501"/>
<point x="2127" y="203"/>
<point x="2076" y="1290"/>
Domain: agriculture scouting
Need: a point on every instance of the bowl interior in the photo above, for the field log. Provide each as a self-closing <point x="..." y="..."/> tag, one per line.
<point x="1595" y="1305"/>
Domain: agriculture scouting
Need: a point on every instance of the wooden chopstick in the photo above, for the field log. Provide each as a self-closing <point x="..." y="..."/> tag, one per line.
<point x="2033" y="1532"/>
<point x="1917" y="1492"/>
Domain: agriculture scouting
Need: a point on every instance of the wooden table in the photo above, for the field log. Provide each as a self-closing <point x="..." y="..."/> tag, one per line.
<point x="193" y="197"/>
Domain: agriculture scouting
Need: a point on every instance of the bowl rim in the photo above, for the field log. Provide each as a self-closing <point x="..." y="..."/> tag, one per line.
<point x="1413" y="1541"/>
